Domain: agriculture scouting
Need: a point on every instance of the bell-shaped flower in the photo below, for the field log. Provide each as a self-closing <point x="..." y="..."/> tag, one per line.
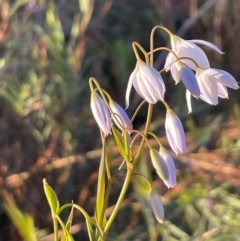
<point x="157" y="206"/>
<point x="175" y="133"/>
<point x="159" y="164"/>
<point x="171" y="181"/>
<point x="188" y="48"/>
<point x="101" y="113"/>
<point x="208" y="86"/>
<point x="147" y="82"/>
<point x="213" y="83"/>
<point x="119" y="116"/>
<point x="223" y="79"/>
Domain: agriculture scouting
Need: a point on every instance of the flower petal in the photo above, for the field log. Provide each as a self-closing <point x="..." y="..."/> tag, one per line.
<point x="223" y="78"/>
<point x="100" y="113"/>
<point x="206" y="43"/>
<point x="129" y="86"/>
<point x="189" y="80"/>
<point x="119" y="115"/>
<point x="222" y="91"/>
<point x="189" y="104"/>
<point x="171" y="182"/>
<point x="175" y="132"/>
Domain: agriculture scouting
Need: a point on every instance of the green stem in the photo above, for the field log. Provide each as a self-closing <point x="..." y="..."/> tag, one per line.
<point x="119" y="201"/>
<point x="149" y="118"/>
<point x="55" y="227"/>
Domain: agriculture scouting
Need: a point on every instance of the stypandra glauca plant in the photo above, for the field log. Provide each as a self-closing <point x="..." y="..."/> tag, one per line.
<point x="187" y="63"/>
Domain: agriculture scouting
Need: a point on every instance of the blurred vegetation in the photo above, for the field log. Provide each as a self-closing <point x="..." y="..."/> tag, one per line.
<point x="49" y="49"/>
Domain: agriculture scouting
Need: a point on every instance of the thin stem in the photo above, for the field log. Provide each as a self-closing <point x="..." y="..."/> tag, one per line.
<point x="149" y="118"/>
<point x="93" y="80"/>
<point x="119" y="201"/>
<point x="136" y="44"/>
<point x="137" y="110"/>
<point x="166" y="105"/>
<point x="157" y="139"/>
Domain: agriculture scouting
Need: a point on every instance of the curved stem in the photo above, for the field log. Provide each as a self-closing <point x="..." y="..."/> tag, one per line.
<point x="136" y="44"/>
<point x="137" y="110"/>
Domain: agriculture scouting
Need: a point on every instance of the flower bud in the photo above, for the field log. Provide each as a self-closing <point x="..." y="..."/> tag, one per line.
<point x="157" y="206"/>
<point x="171" y="181"/>
<point x="119" y="116"/>
<point x="175" y="132"/>
<point x="101" y="113"/>
<point x="159" y="164"/>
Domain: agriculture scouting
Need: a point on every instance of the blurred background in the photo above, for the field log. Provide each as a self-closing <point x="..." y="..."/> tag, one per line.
<point x="48" y="51"/>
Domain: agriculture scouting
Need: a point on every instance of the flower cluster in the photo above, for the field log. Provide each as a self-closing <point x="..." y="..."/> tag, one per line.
<point x="187" y="63"/>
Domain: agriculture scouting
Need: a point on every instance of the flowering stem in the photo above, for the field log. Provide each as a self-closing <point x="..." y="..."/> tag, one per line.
<point x="119" y="201"/>
<point x="137" y="110"/>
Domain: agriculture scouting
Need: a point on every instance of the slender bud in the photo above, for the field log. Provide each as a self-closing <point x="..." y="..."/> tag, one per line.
<point x="101" y="113"/>
<point x="159" y="164"/>
<point x="171" y="181"/>
<point x="175" y="132"/>
<point x="157" y="206"/>
<point x="119" y="116"/>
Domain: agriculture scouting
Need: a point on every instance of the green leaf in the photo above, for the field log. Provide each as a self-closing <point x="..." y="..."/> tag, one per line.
<point x="121" y="144"/>
<point x="51" y="197"/>
<point x="101" y="188"/>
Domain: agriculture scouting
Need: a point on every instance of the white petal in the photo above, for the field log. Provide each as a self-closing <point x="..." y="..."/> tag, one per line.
<point x="170" y="60"/>
<point x="189" y="104"/>
<point x="224" y="78"/>
<point x="208" y="87"/>
<point x="171" y="182"/>
<point x="121" y="118"/>
<point x="222" y="91"/>
<point x="129" y="86"/>
<point x="206" y="43"/>
<point x="175" y="73"/>
<point x="157" y="206"/>
<point x="192" y="51"/>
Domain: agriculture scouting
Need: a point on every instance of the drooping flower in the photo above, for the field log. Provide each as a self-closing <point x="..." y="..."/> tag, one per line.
<point x="213" y="83"/>
<point x="175" y="133"/>
<point x="147" y="82"/>
<point x="171" y="181"/>
<point x="119" y="116"/>
<point x="101" y="113"/>
<point x="157" y="206"/>
<point x="189" y="49"/>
